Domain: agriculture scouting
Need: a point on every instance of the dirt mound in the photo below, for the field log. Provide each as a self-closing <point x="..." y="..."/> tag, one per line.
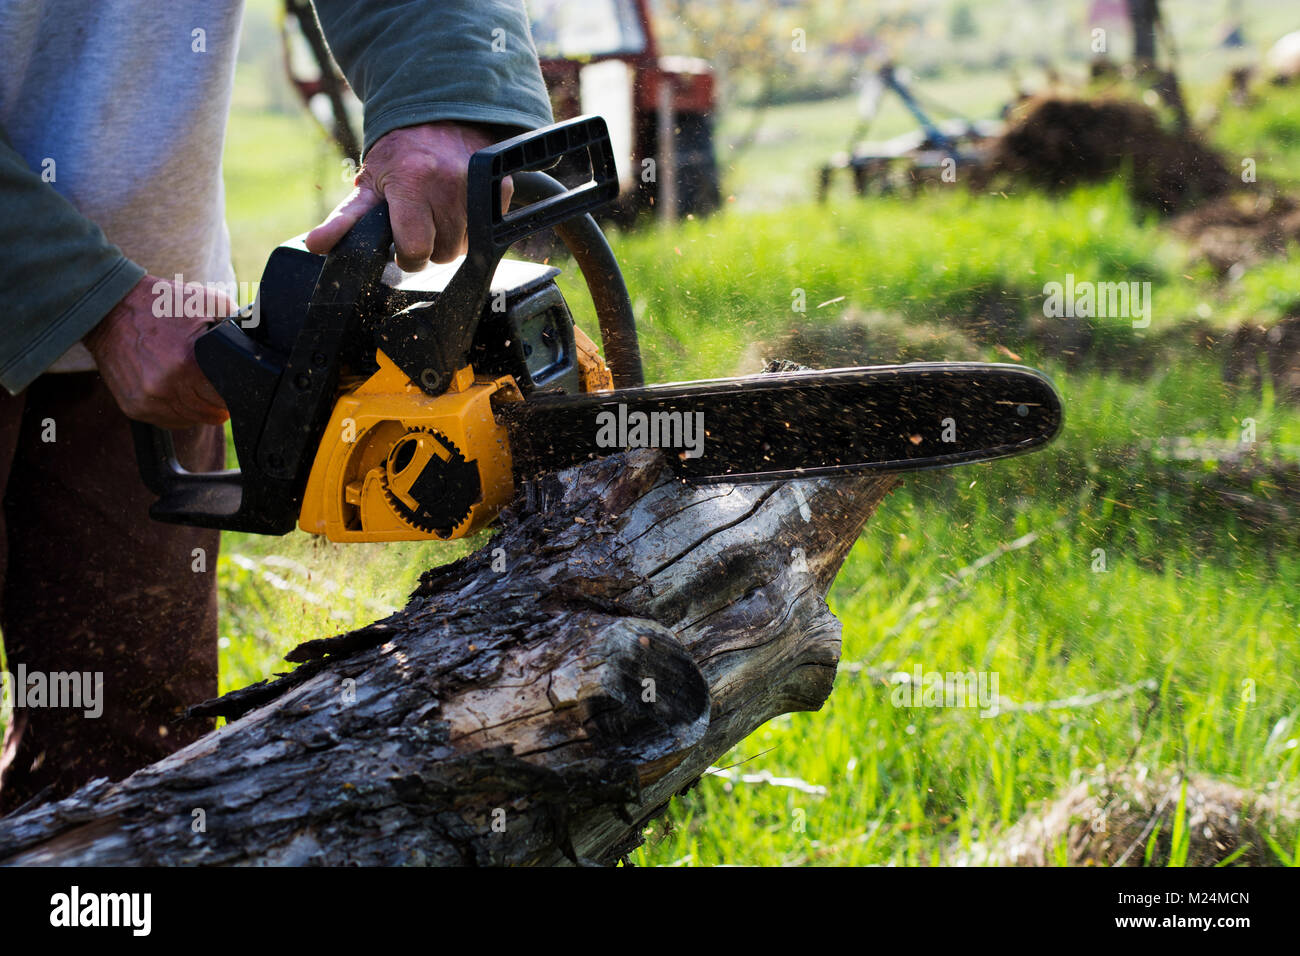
<point x="1111" y="823"/>
<point x="1253" y="353"/>
<point x="1241" y="229"/>
<point x="1056" y="143"/>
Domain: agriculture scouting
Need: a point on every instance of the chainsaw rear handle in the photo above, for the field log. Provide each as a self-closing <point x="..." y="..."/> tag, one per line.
<point x="279" y="408"/>
<point x="216" y="493"/>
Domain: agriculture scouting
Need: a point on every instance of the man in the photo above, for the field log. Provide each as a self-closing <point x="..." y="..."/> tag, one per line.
<point x="113" y="115"/>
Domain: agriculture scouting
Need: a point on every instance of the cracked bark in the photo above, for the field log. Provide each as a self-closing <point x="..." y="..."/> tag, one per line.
<point x="536" y="715"/>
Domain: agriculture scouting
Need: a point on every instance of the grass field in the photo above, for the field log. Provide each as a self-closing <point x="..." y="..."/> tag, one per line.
<point x="1187" y="639"/>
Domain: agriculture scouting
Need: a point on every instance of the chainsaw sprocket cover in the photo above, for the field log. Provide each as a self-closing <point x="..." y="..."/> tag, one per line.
<point x="428" y="483"/>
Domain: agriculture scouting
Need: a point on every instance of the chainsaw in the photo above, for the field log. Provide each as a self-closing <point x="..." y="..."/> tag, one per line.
<point x="368" y="404"/>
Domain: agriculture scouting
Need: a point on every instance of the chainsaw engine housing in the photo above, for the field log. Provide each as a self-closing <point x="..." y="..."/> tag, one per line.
<point x="397" y="464"/>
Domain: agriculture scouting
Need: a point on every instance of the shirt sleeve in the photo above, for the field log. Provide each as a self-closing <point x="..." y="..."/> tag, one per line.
<point x="59" y="275"/>
<point x="418" y="61"/>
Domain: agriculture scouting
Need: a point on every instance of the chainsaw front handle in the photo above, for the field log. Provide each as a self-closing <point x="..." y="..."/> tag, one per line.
<point x="431" y="342"/>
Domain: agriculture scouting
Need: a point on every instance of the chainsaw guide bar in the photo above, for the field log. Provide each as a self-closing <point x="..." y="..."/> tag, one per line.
<point x="802" y="424"/>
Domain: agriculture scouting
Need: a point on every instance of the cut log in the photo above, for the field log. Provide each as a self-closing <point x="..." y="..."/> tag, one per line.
<point x="534" y="703"/>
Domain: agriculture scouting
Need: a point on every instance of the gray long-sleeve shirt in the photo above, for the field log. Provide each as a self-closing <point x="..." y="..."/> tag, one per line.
<point x="112" y="120"/>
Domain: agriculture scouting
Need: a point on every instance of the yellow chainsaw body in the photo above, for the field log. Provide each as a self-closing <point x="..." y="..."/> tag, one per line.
<point x="384" y="431"/>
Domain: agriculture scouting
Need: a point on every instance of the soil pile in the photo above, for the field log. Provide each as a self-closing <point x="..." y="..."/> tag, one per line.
<point x="1056" y="143"/>
<point x="1241" y="229"/>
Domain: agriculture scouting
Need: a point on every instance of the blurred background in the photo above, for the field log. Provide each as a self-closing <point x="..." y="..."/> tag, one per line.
<point x="920" y="171"/>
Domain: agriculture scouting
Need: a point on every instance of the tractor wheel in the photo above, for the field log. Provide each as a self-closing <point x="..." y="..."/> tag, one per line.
<point x="697" y="167"/>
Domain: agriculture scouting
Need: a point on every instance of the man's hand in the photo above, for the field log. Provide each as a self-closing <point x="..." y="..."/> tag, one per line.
<point x="147" y="360"/>
<point x="421" y="171"/>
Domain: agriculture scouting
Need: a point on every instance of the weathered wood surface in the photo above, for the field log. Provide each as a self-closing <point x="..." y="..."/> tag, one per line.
<point x="536" y="702"/>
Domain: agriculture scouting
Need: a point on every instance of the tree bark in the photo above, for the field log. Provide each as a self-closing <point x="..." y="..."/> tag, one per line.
<point x="538" y="701"/>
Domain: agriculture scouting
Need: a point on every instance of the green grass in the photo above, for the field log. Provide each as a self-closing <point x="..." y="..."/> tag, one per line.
<point x="1194" y="602"/>
<point x="282" y="176"/>
<point x="1267" y="131"/>
<point x="910" y="786"/>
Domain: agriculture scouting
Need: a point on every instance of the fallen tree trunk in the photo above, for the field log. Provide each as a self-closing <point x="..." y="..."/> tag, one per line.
<point x="536" y="702"/>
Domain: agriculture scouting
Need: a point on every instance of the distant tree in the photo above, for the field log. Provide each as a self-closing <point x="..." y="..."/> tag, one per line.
<point x="1147" y="26"/>
<point x="962" y="25"/>
<point x="1145" y="16"/>
<point x="760" y="45"/>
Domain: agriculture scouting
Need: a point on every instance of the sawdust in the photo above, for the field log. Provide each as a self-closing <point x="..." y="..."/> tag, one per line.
<point x="861" y="338"/>
<point x="1255" y="352"/>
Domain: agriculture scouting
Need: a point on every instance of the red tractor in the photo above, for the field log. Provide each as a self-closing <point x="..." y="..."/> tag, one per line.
<point x="598" y="56"/>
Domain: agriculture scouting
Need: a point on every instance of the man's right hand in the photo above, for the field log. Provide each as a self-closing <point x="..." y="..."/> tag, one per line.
<point x="147" y="360"/>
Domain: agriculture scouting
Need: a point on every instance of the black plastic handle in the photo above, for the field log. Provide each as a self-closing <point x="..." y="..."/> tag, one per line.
<point x="217" y="494"/>
<point x="278" y="405"/>
<point x="430" y="342"/>
<point x="492" y="231"/>
<point x="305" y="394"/>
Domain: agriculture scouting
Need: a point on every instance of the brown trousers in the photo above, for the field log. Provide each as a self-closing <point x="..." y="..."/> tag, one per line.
<point x="89" y="583"/>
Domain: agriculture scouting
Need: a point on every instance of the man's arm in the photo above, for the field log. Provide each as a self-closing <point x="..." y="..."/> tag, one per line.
<point x="58" y="273"/>
<point x="64" y="282"/>
<point x="471" y="61"/>
<point x="439" y="81"/>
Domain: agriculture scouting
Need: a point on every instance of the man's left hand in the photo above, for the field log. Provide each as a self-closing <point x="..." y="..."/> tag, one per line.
<point x="421" y="171"/>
